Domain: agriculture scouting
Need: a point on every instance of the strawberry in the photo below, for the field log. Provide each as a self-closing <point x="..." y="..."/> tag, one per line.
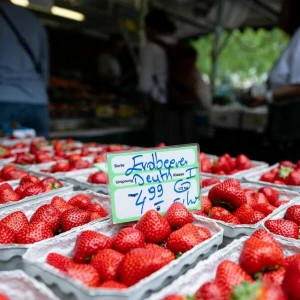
<point x="287" y="163"/>
<point x="32" y="190"/>
<point x="291" y="280"/>
<point x="267" y="177"/>
<point x="281" y="202"/>
<point x="174" y="297"/>
<point x="88" y="244"/>
<point x="250" y="193"/>
<point x="210" y="291"/>
<point x="293" y="214"/>
<point x="60" y="204"/>
<point x="74" y="217"/>
<point x="264" y="208"/>
<point x="260" y="198"/>
<point x="7" y="235"/>
<point x="139" y="263"/>
<point x="222" y="165"/>
<point x="107" y="262"/>
<point x="164" y="252"/>
<point x="86" y="274"/>
<point x="29" y="178"/>
<point x="15" y="174"/>
<point x="58" y="261"/>
<point x="200" y="213"/>
<point x="154" y="226"/>
<point x="178" y="215"/>
<point x="33" y="233"/>
<point x="51" y="183"/>
<point x="209" y="181"/>
<point x="206" y="204"/>
<point x="227" y="194"/>
<point x="96" y="207"/>
<point x="258" y="255"/>
<point x="6" y="169"/>
<point x="127" y="239"/>
<point x="266" y="237"/>
<point x="221" y="214"/>
<point x="293" y="178"/>
<point x="114" y="285"/>
<point x="79" y="164"/>
<point x="229" y="274"/>
<point x="98" y="178"/>
<point x="283" y="227"/>
<point x="274" y="276"/>
<point x="80" y="201"/>
<point x="184" y="239"/>
<point x="24" y="159"/>
<point x="271" y="194"/>
<point x="95" y="216"/>
<point x="21" y="188"/>
<point x="243" y="162"/>
<point x="15" y="221"/>
<point x="8" y="195"/>
<point x="5" y="186"/>
<point x="287" y="260"/>
<point x="48" y="214"/>
<point x="3" y="297"/>
<point x="206" y="165"/>
<point x="60" y="166"/>
<point x="230" y="161"/>
<point x="247" y="215"/>
<point x="258" y="290"/>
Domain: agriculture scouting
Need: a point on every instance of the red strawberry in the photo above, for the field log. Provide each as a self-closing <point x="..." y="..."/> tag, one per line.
<point x="6" y="169"/>
<point x="209" y="181"/>
<point x="283" y="227"/>
<point x="274" y="276"/>
<point x="243" y="162"/>
<point x="258" y="255"/>
<point x="291" y="281"/>
<point x="221" y="165"/>
<point x="61" y="166"/>
<point x="98" y="178"/>
<point x="287" y="163"/>
<point x="178" y="215"/>
<point x="287" y="260"/>
<point x="21" y="188"/>
<point x="58" y="261"/>
<point x="293" y="178"/>
<point x="88" y="244"/>
<point x="5" y="186"/>
<point x="227" y="194"/>
<point x="127" y="239"/>
<point x="281" y="202"/>
<point x="249" y="193"/>
<point x="74" y="217"/>
<point x="139" y="263"/>
<point x="96" y="207"/>
<point x="8" y="195"/>
<point x="15" y="174"/>
<point x="154" y="226"/>
<point x="3" y="297"/>
<point x="221" y="214"/>
<point x="79" y="164"/>
<point x="51" y="183"/>
<point x="33" y="233"/>
<point x="206" y="204"/>
<point x="260" y="198"/>
<point x="95" y="216"/>
<point x="210" y="291"/>
<point x="229" y="275"/>
<point x="230" y="160"/>
<point x="86" y="274"/>
<point x="80" y="201"/>
<point x="184" y="239"/>
<point x="293" y="214"/>
<point x="29" y="178"/>
<point x="60" y="204"/>
<point x="107" y="263"/>
<point x="164" y="252"/>
<point x="200" y="213"/>
<point x="114" y="285"/>
<point x="267" y="177"/>
<point x="264" y="208"/>
<point x="48" y="214"/>
<point x="32" y="190"/>
<point x="174" y="297"/>
<point x="271" y="194"/>
<point x="266" y="237"/>
<point x="15" y="221"/>
<point x="247" y="215"/>
<point x="7" y="235"/>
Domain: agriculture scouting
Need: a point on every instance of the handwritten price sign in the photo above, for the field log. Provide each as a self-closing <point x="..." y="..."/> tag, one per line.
<point x="153" y="179"/>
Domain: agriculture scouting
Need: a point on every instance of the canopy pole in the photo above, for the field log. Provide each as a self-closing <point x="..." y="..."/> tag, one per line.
<point x="216" y="45"/>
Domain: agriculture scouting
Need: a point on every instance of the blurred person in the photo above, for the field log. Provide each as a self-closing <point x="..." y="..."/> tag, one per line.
<point x="109" y="67"/>
<point x="284" y="79"/>
<point x="24" y="69"/>
<point x="170" y="79"/>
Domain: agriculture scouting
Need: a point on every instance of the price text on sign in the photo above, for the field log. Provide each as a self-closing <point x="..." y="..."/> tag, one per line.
<point x="153" y="179"/>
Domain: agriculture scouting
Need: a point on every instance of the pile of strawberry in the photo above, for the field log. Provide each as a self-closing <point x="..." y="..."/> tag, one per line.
<point x="29" y="185"/>
<point x="68" y="165"/>
<point x="287" y="227"/>
<point x="230" y="203"/>
<point x="134" y="252"/>
<point x="98" y="178"/>
<point x="18" y="145"/>
<point x="49" y="220"/>
<point x="262" y="273"/>
<point x="287" y="173"/>
<point x="209" y="181"/>
<point x="11" y="173"/>
<point x="225" y="164"/>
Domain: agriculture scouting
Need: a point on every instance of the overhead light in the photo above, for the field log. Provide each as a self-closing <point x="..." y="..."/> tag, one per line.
<point x="66" y="13"/>
<point x="20" y="2"/>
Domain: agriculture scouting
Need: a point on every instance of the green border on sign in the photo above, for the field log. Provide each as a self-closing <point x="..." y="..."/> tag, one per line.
<point x="112" y="175"/>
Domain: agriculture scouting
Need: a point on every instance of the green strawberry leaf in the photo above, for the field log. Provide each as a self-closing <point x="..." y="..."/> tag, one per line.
<point x="246" y="291"/>
<point x="285" y="171"/>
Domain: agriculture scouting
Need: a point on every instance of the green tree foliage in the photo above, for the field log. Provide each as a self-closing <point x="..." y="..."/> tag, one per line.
<point x="247" y="57"/>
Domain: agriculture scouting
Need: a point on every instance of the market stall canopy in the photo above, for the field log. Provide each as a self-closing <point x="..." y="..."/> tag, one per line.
<point x="193" y="17"/>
